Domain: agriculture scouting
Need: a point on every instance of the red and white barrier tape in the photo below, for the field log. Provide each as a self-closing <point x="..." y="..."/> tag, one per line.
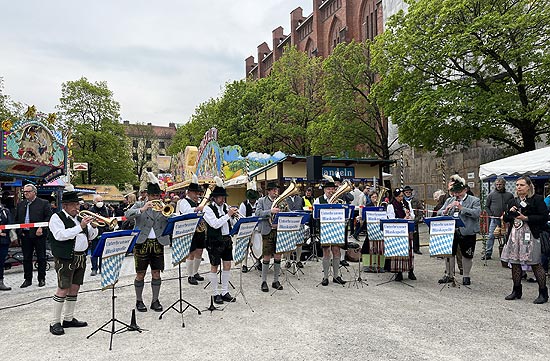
<point x="38" y="224"/>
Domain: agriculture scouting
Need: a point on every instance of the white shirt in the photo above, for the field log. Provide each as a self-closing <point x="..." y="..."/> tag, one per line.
<point x="61" y="233"/>
<point x="217" y="223"/>
<point x="391" y="212"/>
<point x="316" y="201"/>
<point x="184" y="207"/>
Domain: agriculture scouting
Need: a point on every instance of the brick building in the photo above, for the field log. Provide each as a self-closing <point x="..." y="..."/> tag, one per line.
<point x="331" y="22"/>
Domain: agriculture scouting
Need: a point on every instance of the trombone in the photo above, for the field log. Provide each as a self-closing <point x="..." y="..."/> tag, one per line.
<point x="159" y="206"/>
<point x="99" y="221"/>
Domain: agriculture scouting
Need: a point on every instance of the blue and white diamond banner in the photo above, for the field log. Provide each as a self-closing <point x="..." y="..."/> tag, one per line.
<point x="441" y="237"/>
<point x="286" y="241"/>
<point x="182" y="235"/>
<point x="396" y="246"/>
<point x="241" y="245"/>
<point x="332" y="233"/>
<point x="110" y="269"/>
<point x="374" y="232"/>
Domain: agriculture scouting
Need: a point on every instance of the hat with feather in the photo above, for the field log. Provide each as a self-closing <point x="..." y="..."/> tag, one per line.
<point x="329" y="181"/>
<point x="194" y="185"/>
<point x="459" y="183"/>
<point x="251" y="191"/>
<point x="153" y="185"/>
<point x="219" y="189"/>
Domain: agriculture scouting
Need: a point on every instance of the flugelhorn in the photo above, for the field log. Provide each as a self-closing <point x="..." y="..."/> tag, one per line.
<point x="160" y="206"/>
<point x="99" y="221"/>
<point x="291" y="190"/>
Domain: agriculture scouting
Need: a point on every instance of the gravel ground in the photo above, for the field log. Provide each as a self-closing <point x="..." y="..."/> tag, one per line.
<point x="390" y="321"/>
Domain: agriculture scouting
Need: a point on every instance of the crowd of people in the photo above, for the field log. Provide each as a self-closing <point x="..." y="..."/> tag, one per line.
<point x="71" y="235"/>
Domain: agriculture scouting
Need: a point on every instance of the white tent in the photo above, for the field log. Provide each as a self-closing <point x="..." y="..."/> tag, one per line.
<point x="534" y="162"/>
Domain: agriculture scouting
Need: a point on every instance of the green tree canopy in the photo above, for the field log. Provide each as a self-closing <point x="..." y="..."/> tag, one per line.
<point x="91" y="115"/>
<point x="454" y="71"/>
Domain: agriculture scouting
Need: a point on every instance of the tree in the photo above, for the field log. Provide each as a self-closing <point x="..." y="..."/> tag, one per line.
<point x="355" y="124"/>
<point x="91" y="115"/>
<point x="454" y="71"/>
<point x="9" y="109"/>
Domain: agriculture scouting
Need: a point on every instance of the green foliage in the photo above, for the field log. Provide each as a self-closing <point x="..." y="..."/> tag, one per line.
<point x="9" y="109"/>
<point x="455" y="71"/>
<point x="91" y="116"/>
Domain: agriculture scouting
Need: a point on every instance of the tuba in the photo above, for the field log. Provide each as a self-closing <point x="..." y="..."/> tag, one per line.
<point x="291" y="190"/>
<point x="381" y="193"/>
<point x="202" y="224"/>
<point x="99" y="221"/>
<point x="344" y="188"/>
<point x="160" y="206"/>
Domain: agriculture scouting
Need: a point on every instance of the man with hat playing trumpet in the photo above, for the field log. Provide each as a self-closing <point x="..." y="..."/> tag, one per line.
<point x="329" y="188"/>
<point x="190" y="204"/>
<point x="68" y="238"/>
<point x="149" y="248"/>
<point x="269" y="235"/>
<point x="218" y="216"/>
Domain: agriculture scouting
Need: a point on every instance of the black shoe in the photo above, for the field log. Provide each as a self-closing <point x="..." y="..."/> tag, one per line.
<point x="57" y="329"/>
<point x="399" y="276"/>
<point x="466" y="281"/>
<point x="140" y="306"/>
<point x="338" y="280"/>
<point x="299" y="264"/>
<point x="156" y="306"/>
<point x="41" y="283"/>
<point x="74" y="323"/>
<point x="543" y="296"/>
<point x="486" y="258"/>
<point x="198" y="277"/>
<point x="412" y="277"/>
<point x="27" y="283"/>
<point x="324" y="282"/>
<point x="245" y="269"/>
<point x="218" y="299"/>
<point x="228" y="298"/>
<point x="264" y="287"/>
<point x="516" y="294"/>
<point x="277" y="285"/>
<point x="344" y="263"/>
<point x="446" y="279"/>
<point x="417" y="252"/>
<point x="192" y="281"/>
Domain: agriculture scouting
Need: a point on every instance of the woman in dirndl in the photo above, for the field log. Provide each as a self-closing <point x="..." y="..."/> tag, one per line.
<point x="526" y="215"/>
<point x="400" y="208"/>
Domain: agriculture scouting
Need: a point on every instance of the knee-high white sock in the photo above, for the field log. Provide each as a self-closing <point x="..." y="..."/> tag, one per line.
<point x="58" y="303"/>
<point x="196" y="265"/>
<point x="70" y="304"/>
<point x="335" y="266"/>
<point x="298" y="253"/>
<point x="226" y="275"/>
<point x="276" y="270"/>
<point x="326" y="266"/>
<point x="452" y="266"/>
<point x="213" y="278"/>
<point x="190" y="264"/>
<point x="467" y="264"/>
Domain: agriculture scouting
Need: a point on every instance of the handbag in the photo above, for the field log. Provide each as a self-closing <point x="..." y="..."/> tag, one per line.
<point x="545" y="242"/>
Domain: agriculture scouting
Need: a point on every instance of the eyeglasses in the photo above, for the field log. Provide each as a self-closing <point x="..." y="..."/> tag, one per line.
<point x="28" y="191"/>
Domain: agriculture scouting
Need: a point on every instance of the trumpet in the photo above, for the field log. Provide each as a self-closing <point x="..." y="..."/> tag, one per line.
<point x="159" y="206"/>
<point x="202" y="224"/>
<point x="99" y="221"/>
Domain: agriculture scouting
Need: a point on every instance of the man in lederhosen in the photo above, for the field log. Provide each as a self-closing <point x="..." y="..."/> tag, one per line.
<point x="187" y="205"/>
<point x="217" y="216"/>
<point x="149" y="248"/>
<point x="68" y="239"/>
<point x="248" y="208"/>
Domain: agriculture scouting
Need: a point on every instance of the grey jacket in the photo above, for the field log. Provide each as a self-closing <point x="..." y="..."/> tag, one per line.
<point x="263" y="210"/>
<point x="296" y="205"/>
<point x="471" y="209"/>
<point x="147" y="220"/>
<point x="496" y="202"/>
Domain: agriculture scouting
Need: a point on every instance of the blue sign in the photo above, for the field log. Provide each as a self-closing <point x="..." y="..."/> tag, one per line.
<point x="345" y="172"/>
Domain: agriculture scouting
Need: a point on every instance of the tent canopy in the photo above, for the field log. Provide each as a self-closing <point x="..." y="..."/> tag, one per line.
<point x="536" y="162"/>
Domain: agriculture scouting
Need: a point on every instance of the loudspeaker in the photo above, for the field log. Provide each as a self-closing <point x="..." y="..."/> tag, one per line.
<point x="314" y="164"/>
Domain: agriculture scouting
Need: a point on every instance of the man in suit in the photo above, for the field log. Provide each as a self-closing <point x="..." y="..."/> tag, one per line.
<point x="149" y="249"/>
<point x="33" y="210"/>
<point x="467" y="208"/>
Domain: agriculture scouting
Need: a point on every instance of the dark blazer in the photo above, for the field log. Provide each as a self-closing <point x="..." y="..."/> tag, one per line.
<point x="39" y="211"/>
<point x="536" y="211"/>
<point x="5" y="218"/>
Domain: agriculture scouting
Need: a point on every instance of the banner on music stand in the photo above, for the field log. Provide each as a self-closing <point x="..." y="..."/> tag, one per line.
<point x="396" y="239"/>
<point x="242" y="231"/>
<point x="289" y="231"/>
<point x="183" y="230"/>
<point x="442" y="231"/>
<point x="112" y="247"/>
<point x="373" y="217"/>
<point x="333" y="223"/>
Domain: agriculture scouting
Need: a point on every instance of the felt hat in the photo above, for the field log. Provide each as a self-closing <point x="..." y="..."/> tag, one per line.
<point x="271" y="185"/>
<point x="70" y="197"/>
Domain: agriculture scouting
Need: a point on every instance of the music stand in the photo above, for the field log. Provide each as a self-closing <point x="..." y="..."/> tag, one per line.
<point x="182" y="228"/>
<point x="112" y="247"/>
<point x="332" y="218"/>
<point x="288" y="233"/>
<point x="294" y="269"/>
<point x="314" y="239"/>
<point x="242" y="231"/>
<point x="442" y="231"/>
<point x="396" y="241"/>
<point x="372" y="216"/>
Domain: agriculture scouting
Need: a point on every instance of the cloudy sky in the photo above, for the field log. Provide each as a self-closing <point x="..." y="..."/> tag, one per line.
<point x="160" y="58"/>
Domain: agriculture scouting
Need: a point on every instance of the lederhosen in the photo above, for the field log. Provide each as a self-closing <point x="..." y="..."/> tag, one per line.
<point x="69" y="265"/>
<point x="199" y="238"/>
<point x="219" y="247"/>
